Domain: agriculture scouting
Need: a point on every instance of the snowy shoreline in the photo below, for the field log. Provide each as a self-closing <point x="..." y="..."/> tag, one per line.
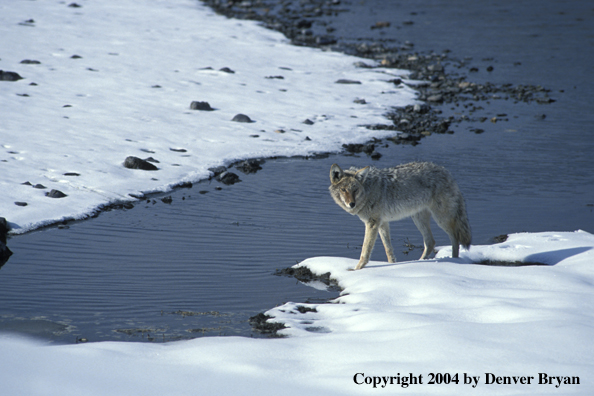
<point x="102" y="89"/>
<point x="441" y="317"/>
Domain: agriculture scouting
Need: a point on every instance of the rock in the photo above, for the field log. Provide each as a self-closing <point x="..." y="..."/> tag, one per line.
<point x="325" y="40"/>
<point x="167" y="199"/>
<point x="308" y="122"/>
<point x="435" y="68"/>
<point x="3" y="230"/>
<point x="362" y="65"/>
<point x="217" y="170"/>
<point x="347" y="81"/>
<point x="260" y="323"/>
<point x="381" y="24"/>
<point x="250" y="166"/>
<point x="435" y="98"/>
<point x="71" y="174"/>
<point x="204" y="106"/>
<point x="55" y="194"/>
<point x="228" y="178"/>
<point x="9" y="76"/>
<point x="18" y="203"/>
<point x="375" y="155"/>
<point x="226" y="70"/>
<point x="5" y="252"/>
<point x="30" y="62"/>
<point x="39" y="186"/>
<point x="242" y="118"/>
<point x="137" y="163"/>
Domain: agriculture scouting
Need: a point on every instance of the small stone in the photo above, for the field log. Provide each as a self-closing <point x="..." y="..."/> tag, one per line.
<point x="381" y="24"/>
<point x="347" y="81"/>
<point x="435" y="68"/>
<point x="9" y="76"/>
<point x="228" y="178"/>
<point x="132" y="162"/>
<point x="40" y="186"/>
<point x="204" y="106"/>
<point x="178" y="150"/>
<point x="362" y="65"/>
<point x="55" y="194"/>
<point x="167" y="199"/>
<point x="325" y="40"/>
<point x="227" y="70"/>
<point x="490" y="68"/>
<point x="242" y="118"/>
<point x="435" y="98"/>
<point x="76" y="57"/>
<point x="218" y="170"/>
<point x="308" y="122"/>
<point x="360" y="101"/>
<point x="74" y="5"/>
<point x="30" y="62"/>
<point x="250" y="166"/>
<point x="21" y="203"/>
<point x="71" y="174"/>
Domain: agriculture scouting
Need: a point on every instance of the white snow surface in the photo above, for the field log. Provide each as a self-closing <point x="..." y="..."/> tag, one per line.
<point x="446" y="316"/>
<point x="140" y="64"/>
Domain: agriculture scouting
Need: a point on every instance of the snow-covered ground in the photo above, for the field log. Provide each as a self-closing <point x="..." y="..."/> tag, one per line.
<point x="445" y="320"/>
<point x="116" y="79"/>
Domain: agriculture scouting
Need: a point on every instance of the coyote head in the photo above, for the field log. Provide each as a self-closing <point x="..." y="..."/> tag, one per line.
<point x="347" y="188"/>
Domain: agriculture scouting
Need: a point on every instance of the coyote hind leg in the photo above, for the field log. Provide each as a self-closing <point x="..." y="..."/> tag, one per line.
<point x="423" y="222"/>
<point x="384" y="232"/>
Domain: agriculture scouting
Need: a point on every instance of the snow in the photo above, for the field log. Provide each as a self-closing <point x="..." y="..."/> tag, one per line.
<point x="440" y="316"/>
<point x="141" y="65"/>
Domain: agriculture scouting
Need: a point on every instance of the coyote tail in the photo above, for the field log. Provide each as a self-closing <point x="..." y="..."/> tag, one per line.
<point x="462" y="226"/>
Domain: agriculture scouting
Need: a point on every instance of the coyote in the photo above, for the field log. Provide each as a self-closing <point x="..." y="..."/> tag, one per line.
<point x="418" y="189"/>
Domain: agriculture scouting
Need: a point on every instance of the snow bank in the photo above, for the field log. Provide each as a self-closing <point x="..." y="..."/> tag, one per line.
<point x="114" y="79"/>
<point x="503" y="330"/>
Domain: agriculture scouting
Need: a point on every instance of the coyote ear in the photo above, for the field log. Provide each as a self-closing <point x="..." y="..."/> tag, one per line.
<point x="361" y="173"/>
<point x="335" y="174"/>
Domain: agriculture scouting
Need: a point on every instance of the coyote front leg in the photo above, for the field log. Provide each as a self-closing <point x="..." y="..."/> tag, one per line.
<point x="371" y="230"/>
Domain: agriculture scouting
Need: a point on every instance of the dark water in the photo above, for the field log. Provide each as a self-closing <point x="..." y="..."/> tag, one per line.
<point x="203" y="264"/>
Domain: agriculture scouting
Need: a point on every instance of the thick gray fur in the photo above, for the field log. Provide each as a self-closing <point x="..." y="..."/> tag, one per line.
<point x="418" y="190"/>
